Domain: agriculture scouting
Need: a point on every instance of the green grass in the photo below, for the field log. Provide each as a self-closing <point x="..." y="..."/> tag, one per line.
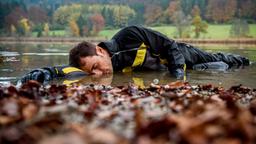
<point x="53" y="33"/>
<point x="218" y="32"/>
<point x="214" y="32"/>
<point x="253" y="30"/>
<point x="108" y="33"/>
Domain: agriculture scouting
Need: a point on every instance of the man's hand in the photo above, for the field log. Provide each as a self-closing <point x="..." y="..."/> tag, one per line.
<point x="178" y="73"/>
<point x="40" y="75"/>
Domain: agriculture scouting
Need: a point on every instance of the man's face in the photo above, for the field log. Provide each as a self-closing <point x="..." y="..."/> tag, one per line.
<point x="98" y="64"/>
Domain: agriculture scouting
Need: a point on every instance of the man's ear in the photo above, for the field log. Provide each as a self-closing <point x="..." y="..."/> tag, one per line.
<point x="100" y="51"/>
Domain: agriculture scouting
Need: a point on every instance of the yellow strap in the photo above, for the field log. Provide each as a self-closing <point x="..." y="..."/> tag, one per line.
<point x="127" y="69"/>
<point x="184" y="68"/>
<point x="163" y="61"/>
<point x="140" y="56"/>
<point x="71" y="69"/>
<point x="139" y="59"/>
<point x="139" y="82"/>
<point x="69" y="82"/>
<point x="56" y="70"/>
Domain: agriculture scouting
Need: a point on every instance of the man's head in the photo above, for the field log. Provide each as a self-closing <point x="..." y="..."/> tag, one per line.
<point x="90" y="58"/>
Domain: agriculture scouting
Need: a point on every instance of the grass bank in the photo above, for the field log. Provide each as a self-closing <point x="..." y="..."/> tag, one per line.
<point x="214" y="31"/>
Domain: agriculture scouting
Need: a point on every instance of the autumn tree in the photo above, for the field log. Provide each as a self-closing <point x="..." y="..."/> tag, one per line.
<point x="200" y="26"/>
<point x="221" y="10"/>
<point x="173" y="7"/>
<point x="37" y="15"/>
<point x="122" y="14"/>
<point x="188" y="5"/>
<point x="15" y="16"/>
<point x="74" y="28"/>
<point x="13" y="30"/>
<point x="247" y="8"/>
<point x="6" y="8"/>
<point x="64" y="14"/>
<point x="152" y="14"/>
<point x="24" y="27"/>
<point x="181" y="21"/>
<point x="98" y="23"/>
<point x="46" y="29"/>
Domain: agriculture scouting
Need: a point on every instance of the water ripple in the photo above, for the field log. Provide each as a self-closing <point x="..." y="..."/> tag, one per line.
<point x="8" y="53"/>
<point x="8" y="78"/>
<point x="45" y="54"/>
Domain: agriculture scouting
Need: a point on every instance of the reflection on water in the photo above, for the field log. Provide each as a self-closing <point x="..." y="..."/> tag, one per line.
<point x="18" y="59"/>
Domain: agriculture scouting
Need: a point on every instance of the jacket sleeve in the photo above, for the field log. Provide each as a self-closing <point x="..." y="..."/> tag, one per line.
<point x="165" y="48"/>
<point x="46" y="74"/>
<point x="42" y="75"/>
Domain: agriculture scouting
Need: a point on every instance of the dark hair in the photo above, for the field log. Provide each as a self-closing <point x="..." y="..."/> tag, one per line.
<point x="82" y="49"/>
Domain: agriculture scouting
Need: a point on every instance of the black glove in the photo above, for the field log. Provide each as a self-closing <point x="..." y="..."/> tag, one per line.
<point x="178" y="73"/>
<point x="40" y="75"/>
<point x="177" y="70"/>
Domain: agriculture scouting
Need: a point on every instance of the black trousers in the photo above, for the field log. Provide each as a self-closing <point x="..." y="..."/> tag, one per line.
<point x="195" y="56"/>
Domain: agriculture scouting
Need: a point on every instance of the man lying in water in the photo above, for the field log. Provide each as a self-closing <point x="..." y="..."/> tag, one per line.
<point x="137" y="48"/>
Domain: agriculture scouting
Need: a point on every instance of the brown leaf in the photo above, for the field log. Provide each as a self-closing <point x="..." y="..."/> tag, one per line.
<point x="29" y="111"/>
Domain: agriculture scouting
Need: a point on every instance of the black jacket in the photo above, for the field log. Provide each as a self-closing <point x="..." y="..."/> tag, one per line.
<point x="136" y="47"/>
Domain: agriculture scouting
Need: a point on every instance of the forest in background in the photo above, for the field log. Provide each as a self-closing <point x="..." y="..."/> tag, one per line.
<point x="79" y="18"/>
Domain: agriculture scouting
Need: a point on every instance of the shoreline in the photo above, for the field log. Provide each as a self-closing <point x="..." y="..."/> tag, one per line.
<point x="71" y="40"/>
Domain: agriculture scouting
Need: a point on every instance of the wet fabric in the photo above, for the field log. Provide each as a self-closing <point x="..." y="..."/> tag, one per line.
<point x="46" y="74"/>
<point x="194" y="56"/>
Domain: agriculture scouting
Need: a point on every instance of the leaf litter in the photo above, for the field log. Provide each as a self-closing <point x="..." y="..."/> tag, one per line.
<point x="176" y="113"/>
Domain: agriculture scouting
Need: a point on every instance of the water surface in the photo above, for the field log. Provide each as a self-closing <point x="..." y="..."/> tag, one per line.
<point x="18" y="59"/>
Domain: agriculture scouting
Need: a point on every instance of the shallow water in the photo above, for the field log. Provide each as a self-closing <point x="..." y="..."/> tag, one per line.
<point x="18" y="59"/>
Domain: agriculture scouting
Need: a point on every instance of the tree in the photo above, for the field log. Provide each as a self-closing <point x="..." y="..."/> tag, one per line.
<point x="195" y="11"/>
<point x="173" y="7"/>
<point x="239" y="28"/>
<point x="181" y="21"/>
<point x="200" y="26"/>
<point x="15" y="16"/>
<point x="37" y="15"/>
<point x="152" y="14"/>
<point x="188" y="5"/>
<point x="46" y="29"/>
<point x="247" y="8"/>
<point x="13" y="30"/>
<point x="64" y="14"/>
<point x="98" y="23"/>
<point x="82" y="25"/>
<point x="107" y="13"/>
<point x="139" y="8"/>
<point x="6" y="7"/>
<point x="182" y="24"/>
<point x="74" y="28"/>
<point x="122" y="14"/>
<point x="221" y="10"/>
<point x="24" y="27"/>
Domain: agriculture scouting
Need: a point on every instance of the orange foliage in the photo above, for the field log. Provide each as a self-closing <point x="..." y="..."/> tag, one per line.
<point x="98" y="23"/>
